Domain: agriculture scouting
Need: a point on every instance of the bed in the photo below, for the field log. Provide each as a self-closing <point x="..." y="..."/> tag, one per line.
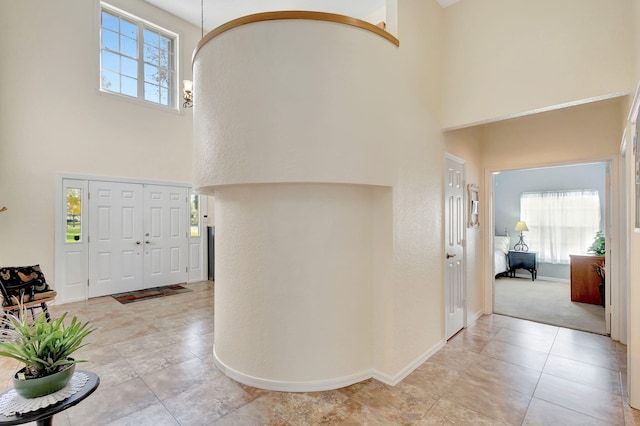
<point x="501" y="250"/>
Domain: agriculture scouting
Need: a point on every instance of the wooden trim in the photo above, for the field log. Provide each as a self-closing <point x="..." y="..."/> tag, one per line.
<point x="293" y="14"/>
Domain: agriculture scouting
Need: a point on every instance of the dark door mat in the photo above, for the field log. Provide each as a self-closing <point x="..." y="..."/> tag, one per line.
<point x="149" y="293"/>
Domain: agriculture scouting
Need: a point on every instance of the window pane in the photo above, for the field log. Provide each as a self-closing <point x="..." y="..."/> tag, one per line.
<point x="195" y="215"/>
<point x="164" y="78"/>
<point x="74" y="215"/>
<point x="151" y="55"/>
<point x="151" y="38"/>
<point x="128" y="29"/>
<point x="164" y="96"/>
<point x="110" y="61"/>
<point x="110" y="40"/>
<point x="129" y="86"/>
<point x="128" y="46"/>
<point x="110" y="81"/>
<point x="129" y="67"/>
<point x="151" y="93"/>
<point x="150" y="73"/>
<point x="110" y="21"/>
<point x="163" y="58"/>
<point x="165" y="43"/>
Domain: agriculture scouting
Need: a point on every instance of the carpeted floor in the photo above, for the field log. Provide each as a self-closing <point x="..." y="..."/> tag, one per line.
<point x="149" y="293"/>
<point x="547" y="302"/>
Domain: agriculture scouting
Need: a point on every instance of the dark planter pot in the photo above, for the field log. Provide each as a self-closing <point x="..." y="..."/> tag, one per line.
<point x="33" y="388"/>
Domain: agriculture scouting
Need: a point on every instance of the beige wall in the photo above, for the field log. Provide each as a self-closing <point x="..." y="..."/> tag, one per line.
<point x="579" y="134"/>
<point x="505" y="57"/>
<point x="54" y="120"/>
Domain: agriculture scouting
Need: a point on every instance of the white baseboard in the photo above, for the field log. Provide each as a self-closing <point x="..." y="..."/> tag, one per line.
<point x="324" y="385"/>
<point x="285" y="386"/>
<point x="558" y="280"/>
<point x="474" y="317"/>
<point x="397" y="378"/>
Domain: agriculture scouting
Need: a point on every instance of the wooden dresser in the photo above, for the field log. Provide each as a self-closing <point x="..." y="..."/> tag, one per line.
<point x="584" y="279"/>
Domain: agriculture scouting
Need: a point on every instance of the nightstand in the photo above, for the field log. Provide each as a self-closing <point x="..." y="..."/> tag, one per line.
<point x="523" y="260"/>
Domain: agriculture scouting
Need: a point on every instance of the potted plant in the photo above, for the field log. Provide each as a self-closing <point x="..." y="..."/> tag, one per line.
<point x="597" y="247"/>
<point x="45" y="348"/>
<point x="601" y="270"/>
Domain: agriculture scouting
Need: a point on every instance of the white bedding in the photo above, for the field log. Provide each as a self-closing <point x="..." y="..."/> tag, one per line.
<point x="501" y="247"/>
<point x="500" y="260"/>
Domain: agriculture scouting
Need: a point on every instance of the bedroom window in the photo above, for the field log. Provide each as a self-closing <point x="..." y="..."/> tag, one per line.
<point x="560" y="222"/>
<point x="137" y="58"/>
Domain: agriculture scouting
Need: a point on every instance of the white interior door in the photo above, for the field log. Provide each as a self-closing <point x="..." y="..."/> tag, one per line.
<point x="165" y="238"/>
<point x="116" y="231"/>
<point x="454" y="246"/>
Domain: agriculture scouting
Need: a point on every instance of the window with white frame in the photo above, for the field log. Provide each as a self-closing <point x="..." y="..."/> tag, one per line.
<point x="137" y="58"/>
<point x="560" y="222"/>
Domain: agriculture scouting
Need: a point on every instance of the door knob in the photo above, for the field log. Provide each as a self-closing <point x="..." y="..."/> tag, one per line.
<point x="450" y="255"/>
<point x="138" y="243"/>
<point x="147" y="242"/>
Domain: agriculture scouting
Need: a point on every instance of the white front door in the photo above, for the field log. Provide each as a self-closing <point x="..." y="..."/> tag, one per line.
<point x="454" y="246"/>
<point x="115" y="237"/>
<point x="138" y="237"/>
<point x="165" y="237"/>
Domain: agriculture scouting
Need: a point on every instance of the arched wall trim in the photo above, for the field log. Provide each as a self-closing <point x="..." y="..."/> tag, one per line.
<point x="294" y="14"/>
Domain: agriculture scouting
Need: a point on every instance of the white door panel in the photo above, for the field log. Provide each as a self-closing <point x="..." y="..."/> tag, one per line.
<point x="454" y="246"/>
<point x="139" y="237"/>
<point x="115" y="250"/>
<point x="166" y="241"/>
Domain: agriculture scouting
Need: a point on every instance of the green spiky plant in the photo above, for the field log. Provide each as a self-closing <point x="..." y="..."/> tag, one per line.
<point x="597" y="247"/>
<point x="45" y="347"/>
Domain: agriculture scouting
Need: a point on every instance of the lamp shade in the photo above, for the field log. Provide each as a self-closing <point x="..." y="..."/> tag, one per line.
<point x="521" y="226"/>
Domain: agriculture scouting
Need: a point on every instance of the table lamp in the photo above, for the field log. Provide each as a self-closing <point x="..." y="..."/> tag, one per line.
<point x="520" y="245"/>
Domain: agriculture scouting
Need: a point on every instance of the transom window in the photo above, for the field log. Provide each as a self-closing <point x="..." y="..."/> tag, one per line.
<point x="137" y="58"/>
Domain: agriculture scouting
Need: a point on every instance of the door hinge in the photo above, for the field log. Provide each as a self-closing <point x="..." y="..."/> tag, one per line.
<point x="88" y="195"/>
<point x="87" y="282"/>
<point x="88" y="239"/>
<point x="186" y="269"/>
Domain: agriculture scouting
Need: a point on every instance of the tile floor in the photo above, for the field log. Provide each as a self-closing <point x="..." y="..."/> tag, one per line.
<point x="500" y="371"/>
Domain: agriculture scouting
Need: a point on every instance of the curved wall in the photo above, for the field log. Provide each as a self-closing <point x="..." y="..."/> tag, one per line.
<point x="327" y="171"/>
<point x="294" y="261"/>
<point x="293" y="101"/>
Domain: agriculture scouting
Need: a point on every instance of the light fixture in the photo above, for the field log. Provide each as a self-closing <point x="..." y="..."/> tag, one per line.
<point x="520" y="245"/>
<point x="187" y="93"/>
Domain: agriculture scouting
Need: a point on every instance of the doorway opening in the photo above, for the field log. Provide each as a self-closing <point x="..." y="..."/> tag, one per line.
<point x="545" y="221"/>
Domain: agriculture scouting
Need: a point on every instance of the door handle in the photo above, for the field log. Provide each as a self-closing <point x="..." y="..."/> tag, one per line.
<point x="147" y="242"/>
<point x="450" y="255"/>
<point x="138" y="243"/>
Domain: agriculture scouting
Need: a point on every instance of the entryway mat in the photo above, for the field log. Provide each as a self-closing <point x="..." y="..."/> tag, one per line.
<point x="149" y="293"/>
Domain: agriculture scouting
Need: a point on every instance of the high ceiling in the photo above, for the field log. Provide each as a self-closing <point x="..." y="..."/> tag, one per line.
<point x="217" y="12"/>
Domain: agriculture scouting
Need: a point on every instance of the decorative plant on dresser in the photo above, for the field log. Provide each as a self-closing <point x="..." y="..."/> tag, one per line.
<point x="45" y="347"/>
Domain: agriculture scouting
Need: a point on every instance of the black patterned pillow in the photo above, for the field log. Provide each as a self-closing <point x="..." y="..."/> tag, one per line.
<point x="16" y="277"/>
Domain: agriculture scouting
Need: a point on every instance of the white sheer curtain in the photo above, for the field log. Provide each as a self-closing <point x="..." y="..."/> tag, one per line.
<point x="560" y="222"/>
